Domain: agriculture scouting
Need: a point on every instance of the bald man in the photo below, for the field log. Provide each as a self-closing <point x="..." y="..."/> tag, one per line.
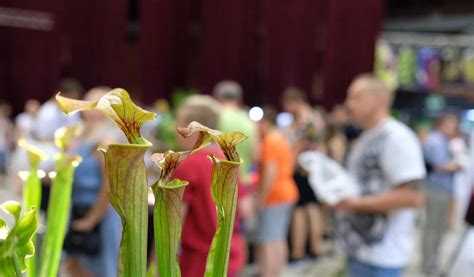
<point x="377" y="229"/>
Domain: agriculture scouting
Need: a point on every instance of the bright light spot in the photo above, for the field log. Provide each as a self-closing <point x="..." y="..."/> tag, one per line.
<point x="284" y="120"/>
<point x="75" y="163"/>
<point x="52" y="174"/>
<point x="23" y="175"/>
<point x="470" y="115"/>
<point x="41" y="174"/>
<point x="256" y="114"/>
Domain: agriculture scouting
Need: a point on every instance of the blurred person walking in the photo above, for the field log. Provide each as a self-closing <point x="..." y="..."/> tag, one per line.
<point x="6" y="138"/>
<point x="461" y="179"/>
<point x="377" y="228"/>
<point x="440" y="189"/>
<point x="233" y="118"/>
<point x="305" y="134"/>
<point x="92" y="242"/>
<point x="276" y="196"/>
<point x="25" y="120"/>
<point x="199" y="211"/>
<point x="50" y="117"/>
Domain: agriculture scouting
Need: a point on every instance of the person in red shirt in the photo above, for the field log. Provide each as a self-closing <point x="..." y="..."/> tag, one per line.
<point x="199" y="210"/>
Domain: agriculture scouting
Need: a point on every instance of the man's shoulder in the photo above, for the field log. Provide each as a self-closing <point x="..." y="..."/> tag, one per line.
<point x="399" y="131"/>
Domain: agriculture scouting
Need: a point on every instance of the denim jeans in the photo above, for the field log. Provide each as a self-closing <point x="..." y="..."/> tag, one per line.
<point x="356" y="268"/>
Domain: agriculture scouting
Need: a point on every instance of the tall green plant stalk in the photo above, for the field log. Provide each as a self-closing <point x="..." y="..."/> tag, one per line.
<point x="224" y="190"/>
<point x="16" y="244"/>
<point x="167" y="213"/>
<point x="127" y="190"/>
<point x="168" y="201"/>
<point x="32" y="190"/>
<point x="59" y="203"/>
<point x="126" y="175"/>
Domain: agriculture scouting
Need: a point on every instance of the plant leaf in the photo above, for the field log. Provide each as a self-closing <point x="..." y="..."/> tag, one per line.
<point x="32" y="189"/>
<point x="16" y="244"/>
<point x="63" y="136"/>
<point x="127" y="191"/>
<point x="118" y="106"/>
<point x="168" y="162"/>
<point x="167" y="212"/>
<point x="227" y="141"/>
<point x="125" y="170"/>
<point x="224" y="190"/>
<point x="58" y="213"/>
<point x="35" y="155"/>
<point x="167" y="224"/>
<point x="13" y="208"/>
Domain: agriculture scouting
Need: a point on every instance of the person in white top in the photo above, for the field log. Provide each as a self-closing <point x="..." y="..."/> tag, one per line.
<point x="377" y="228"/>
<point x="50" y="117"/>
<point x="24" y="121"/>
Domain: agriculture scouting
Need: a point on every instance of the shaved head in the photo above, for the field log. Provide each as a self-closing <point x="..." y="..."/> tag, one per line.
<point x="368" y="99"/>
<point x="367" y="83"/>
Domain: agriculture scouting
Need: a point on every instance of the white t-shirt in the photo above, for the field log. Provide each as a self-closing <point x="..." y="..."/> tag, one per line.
<point x="50" y="118"/>
<point x="383" y="158"/>
<point x="24" y="122"/>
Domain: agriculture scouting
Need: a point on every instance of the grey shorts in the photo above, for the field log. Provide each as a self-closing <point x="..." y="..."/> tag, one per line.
<point x="274" y="222"/>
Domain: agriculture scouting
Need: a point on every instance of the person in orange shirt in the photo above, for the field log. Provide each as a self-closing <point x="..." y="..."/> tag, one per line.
<point x="276" y="196"/>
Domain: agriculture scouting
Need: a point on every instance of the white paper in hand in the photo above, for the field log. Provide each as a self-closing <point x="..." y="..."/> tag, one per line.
<point x="330" y="181"/>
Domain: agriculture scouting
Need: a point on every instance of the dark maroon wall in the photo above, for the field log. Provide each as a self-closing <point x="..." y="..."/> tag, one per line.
<point x="30" y="59"/>
<point x="166" y="41"/>
<point x="351" y="30"/>
<point x="267" y="45"/>
<point x="95" y="41"/>
<point x="289" y="45"/>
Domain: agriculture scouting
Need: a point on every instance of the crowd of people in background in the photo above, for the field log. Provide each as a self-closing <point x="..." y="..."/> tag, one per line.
<point x="280" y="219"/>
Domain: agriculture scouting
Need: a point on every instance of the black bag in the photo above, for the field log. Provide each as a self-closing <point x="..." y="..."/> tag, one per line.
<point x="79" y="242"/>
<point x="469" y="218"/>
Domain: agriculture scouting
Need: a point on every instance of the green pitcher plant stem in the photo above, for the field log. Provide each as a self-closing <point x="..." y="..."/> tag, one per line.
<point x="224" y="190"/>
<point x="127" y="190"/>
<point x="32" y="190"/>
<point x="59" y="202"/>
<point x="16" y="244"/>
<point x="126" y="185"/>
<point x="167" y="213"/>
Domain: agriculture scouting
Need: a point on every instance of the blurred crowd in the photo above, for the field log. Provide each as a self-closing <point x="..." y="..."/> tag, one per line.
<point x="399" y="174"/>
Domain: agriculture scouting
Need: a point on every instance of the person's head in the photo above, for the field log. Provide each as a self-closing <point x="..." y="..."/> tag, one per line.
<point x="368" y="100"/>
<point x="5" y="109"/>
<point x="228" y="92"/>
<point x="268" y="121"/>
<point x="339" y="116"/>
<point x="201" y="108"/>
<point x="448" y="125"/>
<point x="70" y="88"/>
<point x="94" y="94"/>
<point x="32" y="106"/>
<point x="293" y="100"/>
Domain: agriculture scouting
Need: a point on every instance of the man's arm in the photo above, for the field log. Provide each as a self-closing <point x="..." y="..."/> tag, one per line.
<point x="450" y="167"/>
<point x="407" y="195"/>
